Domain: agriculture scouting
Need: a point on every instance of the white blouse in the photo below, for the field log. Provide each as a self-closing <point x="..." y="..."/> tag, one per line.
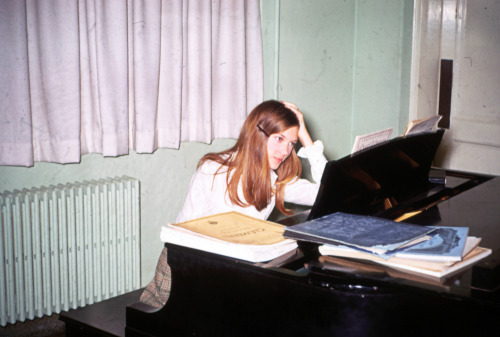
<point x="207" y="195"/>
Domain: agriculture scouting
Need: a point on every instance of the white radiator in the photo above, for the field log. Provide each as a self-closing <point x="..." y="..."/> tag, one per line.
<point x="67" y="246"/>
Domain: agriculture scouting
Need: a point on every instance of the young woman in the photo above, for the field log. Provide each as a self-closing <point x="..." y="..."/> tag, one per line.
<point x="259" y="172"/>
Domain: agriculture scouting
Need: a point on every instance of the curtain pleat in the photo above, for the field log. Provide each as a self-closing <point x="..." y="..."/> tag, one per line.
<point x="91" y="133"/>
<point x="228" y="65"/>
<point x="196" y="79"/>
<point x="54" y="74"/>
<point x="16" y="145"/>
<point x="53" y="67"/>
<point x="145" y="28"/>
<point x="106" y="76"/>
<point x="168" y="126"/>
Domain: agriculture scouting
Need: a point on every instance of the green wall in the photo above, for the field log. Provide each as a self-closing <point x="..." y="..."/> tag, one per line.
<point x="164" y="177"/>
<point x="346" y="64"/>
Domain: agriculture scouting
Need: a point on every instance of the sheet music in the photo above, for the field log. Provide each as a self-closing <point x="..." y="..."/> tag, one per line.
<point x="370" y="139"/>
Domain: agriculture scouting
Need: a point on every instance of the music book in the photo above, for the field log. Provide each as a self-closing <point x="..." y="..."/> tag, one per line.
<point x="369" y="233"/>
<point x="446" y="244"/>
<point x="436" y="269"/>
<point x="471" y="243"/>
<point x="354" y="266"/>
<point x="422" y="125"/>
<point x="231" y="234"/>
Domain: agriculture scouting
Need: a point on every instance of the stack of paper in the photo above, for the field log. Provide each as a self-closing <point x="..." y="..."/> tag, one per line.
<point x="434" y="251"/>
<point x="231" y="234"/>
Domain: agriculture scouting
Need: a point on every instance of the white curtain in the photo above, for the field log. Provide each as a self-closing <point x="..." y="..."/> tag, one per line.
<point x="107" y="76"/>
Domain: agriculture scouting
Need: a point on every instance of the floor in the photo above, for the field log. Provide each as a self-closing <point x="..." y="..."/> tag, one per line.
<point x="106" y="318"/>
<point x="48" y="326"/>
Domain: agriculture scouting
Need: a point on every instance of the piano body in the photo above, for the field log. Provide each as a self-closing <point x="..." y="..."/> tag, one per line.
<point x="308" y="295"/>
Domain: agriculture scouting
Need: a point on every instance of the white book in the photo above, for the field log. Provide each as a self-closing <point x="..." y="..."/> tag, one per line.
<point x="474" y="256"/>
<point x="422" y="125"/>
<point x="438" y="269"/>
<point x="231" y="234"/>
<point x="447" y="244"/>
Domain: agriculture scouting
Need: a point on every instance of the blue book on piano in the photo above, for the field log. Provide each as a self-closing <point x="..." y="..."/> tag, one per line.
<point x="361" y="231"/>
<point x="446" y="244"/>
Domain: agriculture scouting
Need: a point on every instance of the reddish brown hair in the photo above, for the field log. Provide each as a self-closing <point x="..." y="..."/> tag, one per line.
<point x="247" y="160"/>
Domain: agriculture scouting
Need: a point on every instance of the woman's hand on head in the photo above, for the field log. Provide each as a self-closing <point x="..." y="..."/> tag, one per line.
<point x="304" y="136"/>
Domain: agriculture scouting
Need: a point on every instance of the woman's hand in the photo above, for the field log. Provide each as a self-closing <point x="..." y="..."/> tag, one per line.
<point x="304" y="136"/>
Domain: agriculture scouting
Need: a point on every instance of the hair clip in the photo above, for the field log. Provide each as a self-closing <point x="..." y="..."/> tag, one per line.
<point x="261" y="129"/>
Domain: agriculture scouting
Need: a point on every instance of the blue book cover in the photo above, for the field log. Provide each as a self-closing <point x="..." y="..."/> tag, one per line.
<point x="367" y="232"/>
<point x="446" y="244"/>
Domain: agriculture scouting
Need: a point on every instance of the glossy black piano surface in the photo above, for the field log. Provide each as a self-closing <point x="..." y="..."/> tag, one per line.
<point x="309" y="295"/>
<point x="378" y="178"/>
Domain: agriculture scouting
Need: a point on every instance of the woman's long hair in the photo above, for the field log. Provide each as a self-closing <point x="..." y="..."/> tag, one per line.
<point x="247" y="159"/>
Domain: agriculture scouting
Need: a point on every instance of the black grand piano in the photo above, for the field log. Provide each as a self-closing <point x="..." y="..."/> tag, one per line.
<point x="309" y="295"/>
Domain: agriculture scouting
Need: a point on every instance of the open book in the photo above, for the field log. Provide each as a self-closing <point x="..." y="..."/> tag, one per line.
<point x="231" y="234"/>
<point x="422" y="125"/>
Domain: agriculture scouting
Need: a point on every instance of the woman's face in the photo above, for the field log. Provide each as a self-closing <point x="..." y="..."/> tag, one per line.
<point x="280" y="145"/>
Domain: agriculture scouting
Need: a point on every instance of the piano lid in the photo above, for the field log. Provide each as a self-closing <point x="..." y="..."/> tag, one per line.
<point x="377" y="178"/>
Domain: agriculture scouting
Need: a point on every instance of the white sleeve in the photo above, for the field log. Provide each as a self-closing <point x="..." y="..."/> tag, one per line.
<point x="302" y="191"/>
<point x="316" y="158"/>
